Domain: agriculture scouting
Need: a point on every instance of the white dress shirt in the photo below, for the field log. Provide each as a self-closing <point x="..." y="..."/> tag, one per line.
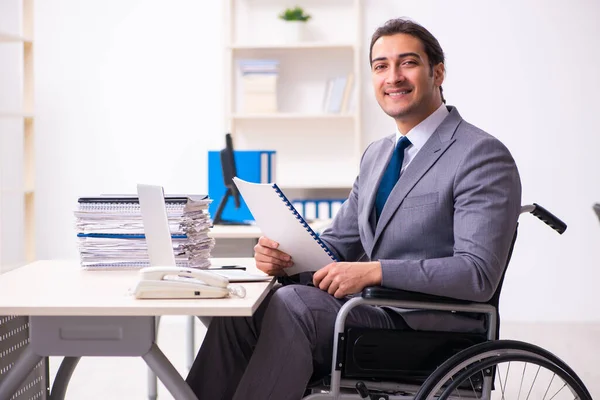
<point x="421" y="133"/>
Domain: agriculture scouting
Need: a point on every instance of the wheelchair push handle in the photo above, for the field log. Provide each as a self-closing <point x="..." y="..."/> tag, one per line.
<point x="545" y="216"/>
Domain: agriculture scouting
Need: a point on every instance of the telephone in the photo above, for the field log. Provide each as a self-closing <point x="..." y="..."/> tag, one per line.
<point x="182" y="283"/>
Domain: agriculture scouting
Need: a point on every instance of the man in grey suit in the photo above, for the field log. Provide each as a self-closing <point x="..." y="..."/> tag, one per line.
<point x="433" y="209"/>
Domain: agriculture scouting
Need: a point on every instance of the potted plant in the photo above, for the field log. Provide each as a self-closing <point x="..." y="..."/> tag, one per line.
<point x="294" y="22"/>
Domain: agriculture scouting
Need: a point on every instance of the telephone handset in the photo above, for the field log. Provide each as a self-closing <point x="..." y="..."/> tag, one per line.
<point x="182" y="283"/>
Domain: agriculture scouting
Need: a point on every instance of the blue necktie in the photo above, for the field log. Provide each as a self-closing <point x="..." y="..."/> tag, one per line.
<point x="391" y="175"/>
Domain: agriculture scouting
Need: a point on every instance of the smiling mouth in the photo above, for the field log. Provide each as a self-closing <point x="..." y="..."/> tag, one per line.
<point x="398" y="93"/>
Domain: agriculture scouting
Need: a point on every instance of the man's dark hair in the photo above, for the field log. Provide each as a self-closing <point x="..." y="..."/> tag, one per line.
<point x="432" y="47"/>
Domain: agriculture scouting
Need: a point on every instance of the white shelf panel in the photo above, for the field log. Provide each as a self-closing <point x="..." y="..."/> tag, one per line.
<point x="287" y="116"/>
<point x="292" y="46"/>
<point x="26" y="191"/>
<point x="4" y="114"/>
<point x="9" y="267"/>
<point x="13" y="38"/>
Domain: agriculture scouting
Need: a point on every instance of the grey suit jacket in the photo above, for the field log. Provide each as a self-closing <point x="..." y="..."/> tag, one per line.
<point x="447" y="226"/>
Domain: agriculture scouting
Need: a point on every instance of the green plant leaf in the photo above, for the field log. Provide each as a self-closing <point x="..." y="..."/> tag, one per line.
<point x="294" y="14"/>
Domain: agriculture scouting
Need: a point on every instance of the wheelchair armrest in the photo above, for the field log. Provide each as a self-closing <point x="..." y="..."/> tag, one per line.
<point x="383" y="293"/>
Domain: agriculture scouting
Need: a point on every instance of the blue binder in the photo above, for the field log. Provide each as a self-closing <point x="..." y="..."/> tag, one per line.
<point x="252" y="165"/>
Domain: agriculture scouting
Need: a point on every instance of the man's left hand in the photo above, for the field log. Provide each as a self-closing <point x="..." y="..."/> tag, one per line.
<point x="343" y="278"/>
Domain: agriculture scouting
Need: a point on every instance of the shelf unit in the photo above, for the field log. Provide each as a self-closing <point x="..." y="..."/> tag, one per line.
<point x="17" y="166"/>
<point x="314" y="148"/>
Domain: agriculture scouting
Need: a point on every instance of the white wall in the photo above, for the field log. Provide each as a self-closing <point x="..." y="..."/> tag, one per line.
<point x="127" y="92"/>
<point x="130" y="91"/>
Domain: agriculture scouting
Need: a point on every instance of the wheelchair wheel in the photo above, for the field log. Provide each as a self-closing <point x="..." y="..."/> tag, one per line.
<point x="503" y="369"/>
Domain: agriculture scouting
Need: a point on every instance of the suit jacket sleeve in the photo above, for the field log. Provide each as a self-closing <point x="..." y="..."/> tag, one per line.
<point x="487" y="202"/>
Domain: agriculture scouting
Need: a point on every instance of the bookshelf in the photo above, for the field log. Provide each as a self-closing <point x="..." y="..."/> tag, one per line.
<point x="316" y="147"/>
<point x="17" y="141"/>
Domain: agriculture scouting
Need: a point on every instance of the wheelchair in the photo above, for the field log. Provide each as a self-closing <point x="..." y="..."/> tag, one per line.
<point x="384" y="364"/>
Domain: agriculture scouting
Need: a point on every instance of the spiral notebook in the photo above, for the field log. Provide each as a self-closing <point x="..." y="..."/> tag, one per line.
<point x="279" y="221"/>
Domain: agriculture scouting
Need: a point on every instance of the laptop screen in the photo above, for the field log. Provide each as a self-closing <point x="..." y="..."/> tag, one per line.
<point x="156" y="225"/>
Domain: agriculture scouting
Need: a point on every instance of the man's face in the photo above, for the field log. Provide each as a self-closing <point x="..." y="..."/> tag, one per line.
<point x="405" y="87"/>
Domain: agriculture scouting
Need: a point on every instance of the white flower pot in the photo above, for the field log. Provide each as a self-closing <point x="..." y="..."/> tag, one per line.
<point x="292" y="31"/>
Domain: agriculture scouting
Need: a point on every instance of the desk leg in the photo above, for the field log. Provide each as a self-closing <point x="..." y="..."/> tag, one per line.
<point x="17" y="374"/>
<point x="190" y="331"/>
<point x="152" y="382"/>
<point x="168" y="375"/>
<point x="62" y="378"/>
<point x="152" y="385"/>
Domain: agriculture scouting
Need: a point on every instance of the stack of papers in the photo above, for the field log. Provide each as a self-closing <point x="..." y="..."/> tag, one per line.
<point x="110" y="232"/>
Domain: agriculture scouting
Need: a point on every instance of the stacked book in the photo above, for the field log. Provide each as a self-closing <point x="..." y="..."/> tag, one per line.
<point x="110" y="232"/>
<point x="259" y="85"/>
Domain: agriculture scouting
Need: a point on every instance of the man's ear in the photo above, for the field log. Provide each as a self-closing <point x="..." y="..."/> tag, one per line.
<point x="439" y="73"/>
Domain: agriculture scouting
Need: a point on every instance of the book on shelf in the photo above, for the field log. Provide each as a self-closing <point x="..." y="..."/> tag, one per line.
<point x="260" y="103"/>
<point x="110" y="231"/>
<point x="259" y="85"/>
<point x="338" y="94"/>
<point x="259" y="66"/>
<point x="346" y="96"/>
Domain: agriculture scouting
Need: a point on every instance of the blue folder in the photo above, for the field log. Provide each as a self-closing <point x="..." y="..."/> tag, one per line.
<point x="256" y="166"/>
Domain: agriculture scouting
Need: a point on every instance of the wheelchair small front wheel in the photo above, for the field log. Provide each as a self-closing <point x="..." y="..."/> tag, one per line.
<point x="503" y="369"/>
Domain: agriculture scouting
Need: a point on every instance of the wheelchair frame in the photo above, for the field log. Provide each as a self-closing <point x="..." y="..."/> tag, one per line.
<point x="339" y="336"/>
<point x="345" y="389"/>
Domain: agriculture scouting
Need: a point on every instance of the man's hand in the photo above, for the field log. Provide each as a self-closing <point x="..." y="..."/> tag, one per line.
<point x="343" y="278"/>
<point x="270" y="260"/>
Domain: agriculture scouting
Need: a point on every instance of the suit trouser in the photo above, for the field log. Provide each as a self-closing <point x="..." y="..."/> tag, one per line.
<point x="274" y="353"/>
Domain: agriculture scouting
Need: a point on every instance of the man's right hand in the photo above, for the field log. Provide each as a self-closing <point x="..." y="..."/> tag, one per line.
<point x="270" y="260"/>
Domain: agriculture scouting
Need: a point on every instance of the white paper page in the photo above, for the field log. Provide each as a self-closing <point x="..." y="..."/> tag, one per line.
<point x="278" y="222"/>
<point x="236" y="275"/>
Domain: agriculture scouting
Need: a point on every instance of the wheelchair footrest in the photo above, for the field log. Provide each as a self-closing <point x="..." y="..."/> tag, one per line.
<point x="403" y="356"/>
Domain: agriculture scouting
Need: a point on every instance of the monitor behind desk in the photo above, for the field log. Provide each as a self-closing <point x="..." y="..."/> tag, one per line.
<point x="229" y="172"/>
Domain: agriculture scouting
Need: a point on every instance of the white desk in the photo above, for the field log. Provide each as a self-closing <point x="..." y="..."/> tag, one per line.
<point x="76" y="313"/>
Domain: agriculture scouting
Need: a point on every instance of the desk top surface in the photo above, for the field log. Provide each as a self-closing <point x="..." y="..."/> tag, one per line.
<point x="64" y="288"/>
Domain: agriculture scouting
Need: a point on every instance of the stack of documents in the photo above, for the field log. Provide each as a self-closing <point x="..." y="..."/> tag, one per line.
<point x="110" y="232"/>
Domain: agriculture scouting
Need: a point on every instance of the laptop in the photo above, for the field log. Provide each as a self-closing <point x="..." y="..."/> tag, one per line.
<point x="158" y="235"/>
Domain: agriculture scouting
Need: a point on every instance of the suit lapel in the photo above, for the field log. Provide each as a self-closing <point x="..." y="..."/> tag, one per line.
<point x="433" y="149"/>
<point x="371" y="185"/>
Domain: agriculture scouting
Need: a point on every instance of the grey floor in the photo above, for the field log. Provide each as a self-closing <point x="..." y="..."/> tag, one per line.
<point x="578" y="344"/>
